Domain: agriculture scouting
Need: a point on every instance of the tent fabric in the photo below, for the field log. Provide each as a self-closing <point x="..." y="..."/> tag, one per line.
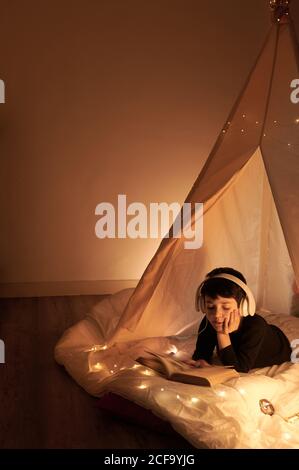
<point x="251" y="205"/>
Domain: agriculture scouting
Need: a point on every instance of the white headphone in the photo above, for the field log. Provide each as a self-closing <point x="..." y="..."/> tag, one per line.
<point x="247" y="304"/>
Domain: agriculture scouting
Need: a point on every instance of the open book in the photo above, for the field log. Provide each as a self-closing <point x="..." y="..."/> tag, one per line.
<point x="174" y="369"/>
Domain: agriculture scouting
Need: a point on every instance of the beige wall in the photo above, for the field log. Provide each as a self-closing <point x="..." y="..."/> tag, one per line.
<point x="106" y="98"/>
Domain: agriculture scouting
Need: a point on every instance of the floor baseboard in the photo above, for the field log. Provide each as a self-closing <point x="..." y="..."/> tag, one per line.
<point x="61" y="288"/>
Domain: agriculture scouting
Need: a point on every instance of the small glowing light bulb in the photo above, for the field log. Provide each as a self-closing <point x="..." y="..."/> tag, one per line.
<point x="297" y="121"/>
<point x="173" y="349"/>
<point x="256" y="122"/>
<point x="142" y="386"/>
<point x="243" y="115"/>
<point x="98" y="347"/>
<point x="264" y="135"/>
<point x="242" y="130"/>
<point x="115" y="365"/>
<point x="275" y="122"/>
<point x="178" y="397"/>
<point x="162" y="389"/>
<point x="112" y="371"/>
<point x="194" y="399"/>
<point x="224" y="131"/>
<point x="289" y="145"/>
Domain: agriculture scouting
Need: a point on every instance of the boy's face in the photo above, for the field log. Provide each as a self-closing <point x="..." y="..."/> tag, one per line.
<point x="218" y="309"/>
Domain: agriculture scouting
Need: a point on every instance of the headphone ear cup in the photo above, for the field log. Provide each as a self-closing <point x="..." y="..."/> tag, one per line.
<point x="202" y="304"/>
<point x="244" y="310"/>
<point x="241" y="308"/>
<point x="197" y="299"/>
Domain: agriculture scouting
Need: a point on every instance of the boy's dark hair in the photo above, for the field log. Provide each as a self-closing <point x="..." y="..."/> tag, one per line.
<point x="223" y="287"/>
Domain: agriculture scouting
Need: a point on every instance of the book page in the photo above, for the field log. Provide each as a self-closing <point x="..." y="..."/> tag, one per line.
<point x="175" y="369"/>
<point x="163" y="363"/>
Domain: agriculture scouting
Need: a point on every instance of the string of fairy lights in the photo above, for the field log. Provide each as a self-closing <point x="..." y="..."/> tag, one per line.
<point x="272" y="129"/>
<point x="192" y="401"/>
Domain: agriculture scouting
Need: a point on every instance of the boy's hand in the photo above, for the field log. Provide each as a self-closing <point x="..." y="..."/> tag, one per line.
<point x="232" y="322"/>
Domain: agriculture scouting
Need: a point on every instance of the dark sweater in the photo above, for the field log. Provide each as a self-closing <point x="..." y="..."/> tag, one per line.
<point x="254" y="344"/>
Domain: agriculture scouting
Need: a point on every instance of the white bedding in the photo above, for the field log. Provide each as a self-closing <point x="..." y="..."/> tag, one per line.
<point x="226" y="416"/>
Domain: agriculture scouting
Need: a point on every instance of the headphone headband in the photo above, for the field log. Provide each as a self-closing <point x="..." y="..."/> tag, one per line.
<point x="248" y="309"/>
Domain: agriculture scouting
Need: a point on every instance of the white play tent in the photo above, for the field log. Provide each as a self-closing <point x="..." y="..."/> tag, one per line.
<point x="250" y="189"/>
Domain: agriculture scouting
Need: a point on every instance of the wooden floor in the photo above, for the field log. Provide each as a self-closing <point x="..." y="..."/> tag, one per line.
<point x="41" y="406"/>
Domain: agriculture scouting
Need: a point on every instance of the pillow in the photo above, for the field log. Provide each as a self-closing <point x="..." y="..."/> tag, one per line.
<point x="134" y="414"/>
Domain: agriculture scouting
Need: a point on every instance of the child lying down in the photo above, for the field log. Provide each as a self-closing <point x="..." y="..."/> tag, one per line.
<point x="243" y="339"/>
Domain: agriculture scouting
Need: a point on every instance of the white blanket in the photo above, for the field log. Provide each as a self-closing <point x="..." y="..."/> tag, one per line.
<point x="226" y="416"/>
